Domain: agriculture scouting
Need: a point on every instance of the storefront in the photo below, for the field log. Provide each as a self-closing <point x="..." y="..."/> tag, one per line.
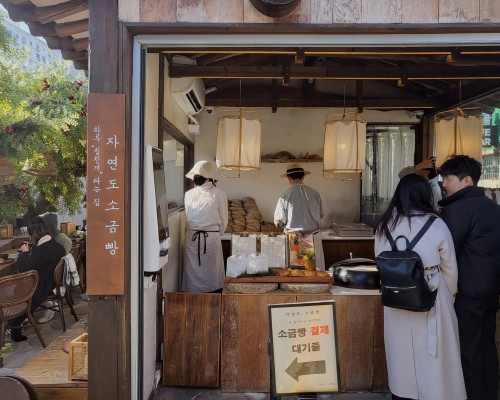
<point x="387" y="63"/>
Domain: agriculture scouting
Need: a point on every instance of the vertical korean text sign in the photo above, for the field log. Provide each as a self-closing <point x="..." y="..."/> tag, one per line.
<point x="106" y="194"/>
<point x="304" y="351"/>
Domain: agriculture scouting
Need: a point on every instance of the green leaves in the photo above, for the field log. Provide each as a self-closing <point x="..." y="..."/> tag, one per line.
<point x="43" y="119"/>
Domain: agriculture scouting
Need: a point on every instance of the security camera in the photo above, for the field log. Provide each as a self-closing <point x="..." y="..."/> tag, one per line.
<point x="210" y="110"/>
<point x="418" y="114"/>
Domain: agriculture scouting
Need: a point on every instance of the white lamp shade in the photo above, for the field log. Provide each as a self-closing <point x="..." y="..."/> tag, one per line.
<point x="237" y="150"/>
<point x="466" y="139"/>
<point x="344" y="146"/>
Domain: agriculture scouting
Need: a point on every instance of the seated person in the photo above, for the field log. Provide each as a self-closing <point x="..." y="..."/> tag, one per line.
<point x="50" y="220"/>
<point x="43" y="257"/>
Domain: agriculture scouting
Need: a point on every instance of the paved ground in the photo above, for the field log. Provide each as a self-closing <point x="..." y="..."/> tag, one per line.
<point x="25" y="351"/>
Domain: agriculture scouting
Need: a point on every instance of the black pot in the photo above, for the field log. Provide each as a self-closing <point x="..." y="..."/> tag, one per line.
<point x="275" y="8"/>
<point x="357" y="273"/>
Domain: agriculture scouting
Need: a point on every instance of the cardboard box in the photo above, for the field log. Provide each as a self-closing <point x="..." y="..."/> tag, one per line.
<point x="6" y="231"/>
<point x="68" y="228"/>
<point x="79" y="358"/>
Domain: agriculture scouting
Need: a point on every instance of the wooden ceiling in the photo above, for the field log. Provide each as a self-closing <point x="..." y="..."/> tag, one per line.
<point x="427" y="78"/>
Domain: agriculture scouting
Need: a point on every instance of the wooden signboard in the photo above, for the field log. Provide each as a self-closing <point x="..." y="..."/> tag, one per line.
<point x="304" y="350"/>
<point x="106" y="194"/>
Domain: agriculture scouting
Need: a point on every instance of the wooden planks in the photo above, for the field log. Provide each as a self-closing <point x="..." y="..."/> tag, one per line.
<point x="48" y="371"/>
<point x="245" y="335"/>
<point x="191" y="339"/>
<point x="244" y="341"/>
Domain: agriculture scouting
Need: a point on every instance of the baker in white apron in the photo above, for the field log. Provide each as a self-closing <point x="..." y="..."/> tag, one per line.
<point x="206" y="219"/>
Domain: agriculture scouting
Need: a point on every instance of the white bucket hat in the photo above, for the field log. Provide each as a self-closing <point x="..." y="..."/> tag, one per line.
<point x="203" y="168"/>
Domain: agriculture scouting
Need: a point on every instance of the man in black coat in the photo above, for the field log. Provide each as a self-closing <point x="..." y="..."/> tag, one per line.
<point x="474" y="222"/>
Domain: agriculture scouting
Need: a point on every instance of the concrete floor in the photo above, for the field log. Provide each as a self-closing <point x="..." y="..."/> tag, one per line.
<point x="165" y="393"/>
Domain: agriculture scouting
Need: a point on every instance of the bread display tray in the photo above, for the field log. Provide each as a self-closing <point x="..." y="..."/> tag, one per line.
<point x="280" y="279"/>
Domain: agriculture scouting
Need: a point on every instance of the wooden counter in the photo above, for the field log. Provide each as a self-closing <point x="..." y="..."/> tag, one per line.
<point x="200" y="328"/>
<point x="245" y="335"/>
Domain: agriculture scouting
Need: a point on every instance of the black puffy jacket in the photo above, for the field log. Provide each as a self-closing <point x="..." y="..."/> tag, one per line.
<point x="474" y="222"/>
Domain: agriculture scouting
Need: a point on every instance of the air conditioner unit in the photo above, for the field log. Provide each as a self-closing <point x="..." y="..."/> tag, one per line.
<point x="189" y="94"/>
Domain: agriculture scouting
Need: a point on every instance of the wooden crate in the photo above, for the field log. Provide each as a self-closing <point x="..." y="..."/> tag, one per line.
<point x="78" y="358"/>
<point x="68" y="228"/>
<point x="6" y="231"/>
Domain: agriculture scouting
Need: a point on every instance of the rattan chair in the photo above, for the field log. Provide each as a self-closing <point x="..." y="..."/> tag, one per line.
<point x="16" y="292"/>
<point x="60" y="295"/>
<point x="76" y="252"/>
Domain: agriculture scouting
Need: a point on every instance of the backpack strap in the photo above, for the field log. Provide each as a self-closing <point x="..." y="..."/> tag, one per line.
<point x="390" y="239"/>
<point x="421" y="232"/>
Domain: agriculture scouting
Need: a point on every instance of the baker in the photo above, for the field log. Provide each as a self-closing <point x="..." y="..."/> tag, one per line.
<point x="300" y="209"/>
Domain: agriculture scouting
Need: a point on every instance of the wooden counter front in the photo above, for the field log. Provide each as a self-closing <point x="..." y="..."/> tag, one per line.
<point x="245" y="335"/>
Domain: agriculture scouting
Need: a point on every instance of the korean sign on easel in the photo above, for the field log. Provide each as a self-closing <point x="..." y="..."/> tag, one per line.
<point x="303" y="351"/>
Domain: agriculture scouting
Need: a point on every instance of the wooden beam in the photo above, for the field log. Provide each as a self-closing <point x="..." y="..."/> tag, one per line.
<point x="81" y="44"/>
<point x="31" y="13"/>
<point x="58" y="43"/>
<point x="72" y="28"/>
<point x="352" y="72"/>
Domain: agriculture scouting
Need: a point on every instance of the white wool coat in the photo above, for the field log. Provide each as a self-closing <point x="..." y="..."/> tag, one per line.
<point x="422" y="348"/>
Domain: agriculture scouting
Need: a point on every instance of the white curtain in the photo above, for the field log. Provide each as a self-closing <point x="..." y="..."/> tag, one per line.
<point x="389" y="149"/>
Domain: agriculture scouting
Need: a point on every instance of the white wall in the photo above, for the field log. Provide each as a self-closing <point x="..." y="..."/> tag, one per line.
<point x="297" y="131"/>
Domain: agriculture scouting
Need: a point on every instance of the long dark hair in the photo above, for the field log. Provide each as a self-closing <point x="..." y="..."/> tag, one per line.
<point x="413" y="197"/>
<point x="36" y="232"/>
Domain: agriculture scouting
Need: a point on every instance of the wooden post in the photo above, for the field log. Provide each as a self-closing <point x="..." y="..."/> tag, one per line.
<point x="109" y="326"/>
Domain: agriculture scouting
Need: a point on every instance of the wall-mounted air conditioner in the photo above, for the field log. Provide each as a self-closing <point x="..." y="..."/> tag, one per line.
<point x="188" y="93"/>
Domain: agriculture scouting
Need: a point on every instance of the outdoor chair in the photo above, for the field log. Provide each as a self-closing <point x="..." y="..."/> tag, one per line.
<point x="17" y="388"/>
<point x="16" y="292"/>
<point x="76" y="252"/>
<point x="61" y="293"/>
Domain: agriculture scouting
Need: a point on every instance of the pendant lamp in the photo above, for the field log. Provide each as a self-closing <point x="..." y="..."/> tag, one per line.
<point x="238" y="142"/>
<point x="459" y="131"/>
<point x="344" y="147"/>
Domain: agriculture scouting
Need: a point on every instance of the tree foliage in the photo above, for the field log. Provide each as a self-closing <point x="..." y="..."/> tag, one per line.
<point x="43" y="124"/>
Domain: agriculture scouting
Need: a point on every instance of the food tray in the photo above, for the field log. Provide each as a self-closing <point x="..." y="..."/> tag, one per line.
<point x="281" y="279"/>
<point x="252" y="288"/>
<point x="306" y="287"/>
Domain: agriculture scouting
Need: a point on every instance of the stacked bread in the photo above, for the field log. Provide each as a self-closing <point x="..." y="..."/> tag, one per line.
<point x="244" y="216"/>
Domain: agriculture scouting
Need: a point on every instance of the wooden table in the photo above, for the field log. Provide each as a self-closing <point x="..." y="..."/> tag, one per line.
<point x="48" y="371"/>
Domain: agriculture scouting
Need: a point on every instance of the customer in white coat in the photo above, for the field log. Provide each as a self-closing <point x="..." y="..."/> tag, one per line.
<point x="206" y="219"/>
<point x="422" y="348"/>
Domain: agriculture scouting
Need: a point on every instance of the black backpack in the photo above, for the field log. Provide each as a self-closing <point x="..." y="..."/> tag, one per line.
<point x="402" y="281"/>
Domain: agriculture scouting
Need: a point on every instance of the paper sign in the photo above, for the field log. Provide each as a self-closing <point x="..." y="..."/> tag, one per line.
<point x="304" y="351"/>
<point x="301" y="248"/>
<point x="275" y="249"/>
<point x="243" y="244"/>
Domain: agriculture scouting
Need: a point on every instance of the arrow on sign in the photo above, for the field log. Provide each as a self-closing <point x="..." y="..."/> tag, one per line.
<point x="296" y="369"/>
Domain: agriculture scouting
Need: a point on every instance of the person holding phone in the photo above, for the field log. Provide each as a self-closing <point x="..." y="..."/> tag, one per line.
<point x="427" y="170"/>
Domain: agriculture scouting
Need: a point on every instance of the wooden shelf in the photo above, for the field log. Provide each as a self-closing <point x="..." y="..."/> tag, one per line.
<point x="290" y="160"/>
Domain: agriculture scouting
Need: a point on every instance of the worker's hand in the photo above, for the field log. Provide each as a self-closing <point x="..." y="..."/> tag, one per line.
<point x="426" y="164"/>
